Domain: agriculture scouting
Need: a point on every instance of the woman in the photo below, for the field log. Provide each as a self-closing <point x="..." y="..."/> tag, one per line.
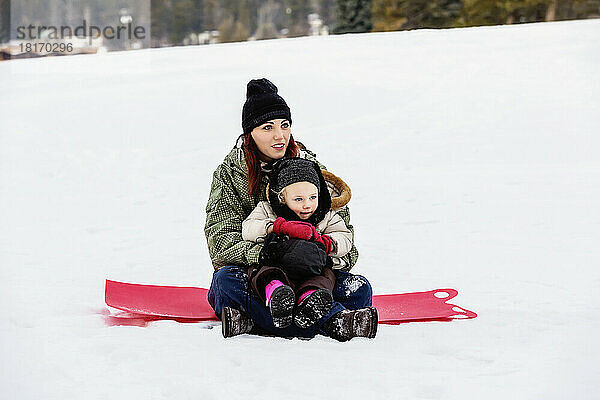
<point x="238" y="185"/>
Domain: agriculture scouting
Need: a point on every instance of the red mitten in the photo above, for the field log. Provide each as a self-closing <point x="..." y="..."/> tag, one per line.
<point x="326" y="240"/>
<point x="294" y="229"/>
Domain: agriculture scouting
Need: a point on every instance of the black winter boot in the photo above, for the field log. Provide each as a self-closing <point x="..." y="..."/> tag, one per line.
<point x="347" y="324"/>
<point x="234" y="323"/>
<point x="282" y="306"/>
<point x="313" y="307"/>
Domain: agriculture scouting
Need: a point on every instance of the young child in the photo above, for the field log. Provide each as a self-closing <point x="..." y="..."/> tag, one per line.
<point x="304" y="239"/>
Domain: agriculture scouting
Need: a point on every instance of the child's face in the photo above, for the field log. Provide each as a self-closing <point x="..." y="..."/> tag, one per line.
<point x="302" y="198"/>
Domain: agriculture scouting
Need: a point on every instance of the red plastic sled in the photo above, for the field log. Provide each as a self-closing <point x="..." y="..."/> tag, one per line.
<point x="145" y="303"/>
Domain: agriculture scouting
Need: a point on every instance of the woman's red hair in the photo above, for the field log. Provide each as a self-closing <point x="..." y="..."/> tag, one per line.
<point x="253" y="163"/>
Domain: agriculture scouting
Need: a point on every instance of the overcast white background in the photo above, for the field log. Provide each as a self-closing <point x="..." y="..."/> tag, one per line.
<point x="472" y="155"/>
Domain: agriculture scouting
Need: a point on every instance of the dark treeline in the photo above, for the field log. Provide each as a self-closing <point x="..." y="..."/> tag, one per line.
<point x="176" y="22"/>
<point x="391" y="15"/>
<point x="236" y="20"/>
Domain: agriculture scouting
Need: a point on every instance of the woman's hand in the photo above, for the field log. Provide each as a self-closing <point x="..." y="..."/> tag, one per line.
<point x="294" y="229"/>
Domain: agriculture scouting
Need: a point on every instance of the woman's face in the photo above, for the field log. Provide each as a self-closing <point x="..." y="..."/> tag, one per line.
<point x="272" y="139"/>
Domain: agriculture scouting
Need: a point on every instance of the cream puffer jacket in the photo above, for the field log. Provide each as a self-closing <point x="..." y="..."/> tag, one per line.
<point x="254" y="228"/>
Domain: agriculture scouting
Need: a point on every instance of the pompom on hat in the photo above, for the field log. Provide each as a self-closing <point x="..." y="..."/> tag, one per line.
<point x="262" y="104"/>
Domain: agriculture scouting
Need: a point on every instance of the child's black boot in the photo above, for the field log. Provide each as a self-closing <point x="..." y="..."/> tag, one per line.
<point x="312" y="306"/>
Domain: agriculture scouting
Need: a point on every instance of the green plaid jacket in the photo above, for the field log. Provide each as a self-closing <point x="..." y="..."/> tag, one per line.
<point x="230" y="203"/>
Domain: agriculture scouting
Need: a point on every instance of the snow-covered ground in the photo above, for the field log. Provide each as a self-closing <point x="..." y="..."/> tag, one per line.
<point x="473" y="159"/>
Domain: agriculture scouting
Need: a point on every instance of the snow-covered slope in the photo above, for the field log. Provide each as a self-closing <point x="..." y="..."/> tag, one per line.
<point x="473" y="159"/>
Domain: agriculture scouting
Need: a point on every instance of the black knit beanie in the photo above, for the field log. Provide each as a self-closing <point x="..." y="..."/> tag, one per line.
<point x="262" y="104"/>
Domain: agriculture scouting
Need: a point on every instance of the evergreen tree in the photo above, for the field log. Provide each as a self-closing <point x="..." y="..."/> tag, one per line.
<point x="353" y="16"/>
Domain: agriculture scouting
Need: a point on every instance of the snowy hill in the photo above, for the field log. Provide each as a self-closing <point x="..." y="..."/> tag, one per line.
<point x="473" y="159"/>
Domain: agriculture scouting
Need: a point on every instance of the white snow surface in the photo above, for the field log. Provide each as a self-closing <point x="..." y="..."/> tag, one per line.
<point x="472" y="155"/>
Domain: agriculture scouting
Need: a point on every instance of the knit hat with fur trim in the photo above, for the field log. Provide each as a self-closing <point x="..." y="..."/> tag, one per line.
<point x="291" y="170"/>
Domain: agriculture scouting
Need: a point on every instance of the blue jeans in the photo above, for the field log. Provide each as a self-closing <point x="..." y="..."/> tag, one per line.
<point x="230" y="288"/>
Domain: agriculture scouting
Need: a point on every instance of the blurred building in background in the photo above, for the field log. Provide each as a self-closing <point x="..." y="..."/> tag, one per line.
<point x="196" y="22"/>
